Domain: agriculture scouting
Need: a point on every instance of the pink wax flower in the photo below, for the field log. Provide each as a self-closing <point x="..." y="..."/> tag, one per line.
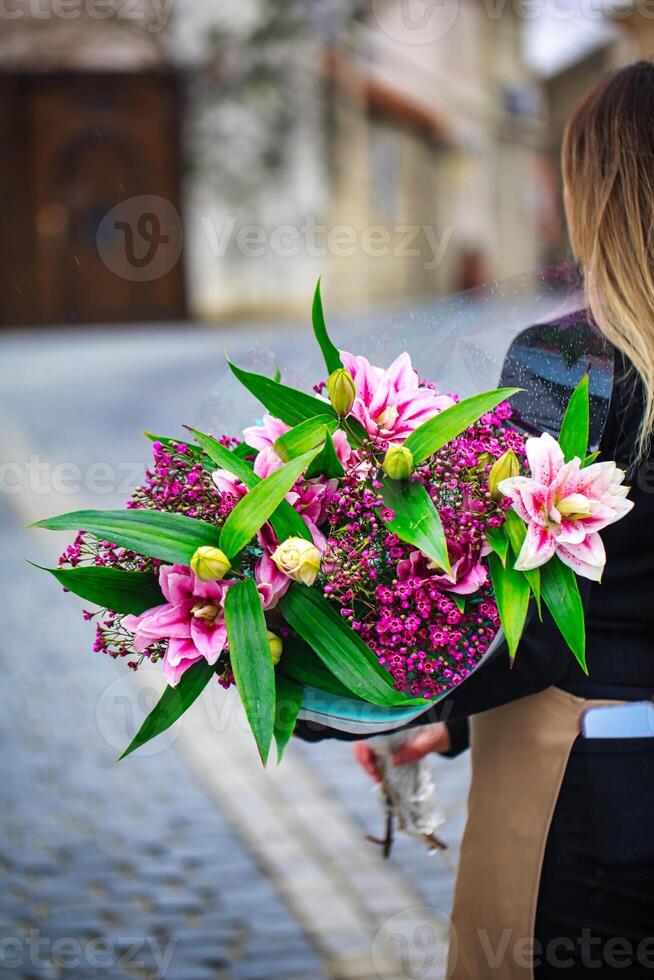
<point x="192" y="620"/>
<point x="468" y="573"/>
<point x="565" y="507"/>
<point x="390" y="403"/>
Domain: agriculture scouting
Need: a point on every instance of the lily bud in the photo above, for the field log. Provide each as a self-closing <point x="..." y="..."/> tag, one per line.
<point x="276" y="647"/>
<point x="342" y="391"/>
<point x="299" y="559"/>
<point x="398" y="462"/>
<point x="210" y="564"/>
<point x="504" y="468"/>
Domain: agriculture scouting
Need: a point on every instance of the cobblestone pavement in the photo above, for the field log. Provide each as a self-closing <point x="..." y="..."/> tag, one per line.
<point x="187" y="860"/>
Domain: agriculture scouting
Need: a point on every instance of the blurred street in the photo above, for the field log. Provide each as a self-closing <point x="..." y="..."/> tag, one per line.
<point x="187" y="860"/>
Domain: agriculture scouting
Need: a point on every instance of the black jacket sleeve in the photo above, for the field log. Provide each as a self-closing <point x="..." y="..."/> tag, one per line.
<point x="459" y="738"/>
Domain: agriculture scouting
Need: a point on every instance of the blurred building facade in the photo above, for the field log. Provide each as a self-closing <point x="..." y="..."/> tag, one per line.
<point x="412" y="158"/>
<point x="632" y="38"/>
<point x="400" y="150"/>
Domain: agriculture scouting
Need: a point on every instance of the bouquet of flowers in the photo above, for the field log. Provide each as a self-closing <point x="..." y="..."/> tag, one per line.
<point x="369" y="541"/>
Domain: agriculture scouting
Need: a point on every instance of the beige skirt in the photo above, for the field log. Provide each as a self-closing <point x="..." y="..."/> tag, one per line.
<point x="519" y="756"/>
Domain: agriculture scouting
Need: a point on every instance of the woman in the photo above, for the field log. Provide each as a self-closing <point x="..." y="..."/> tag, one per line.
<point x="559" y="846"/>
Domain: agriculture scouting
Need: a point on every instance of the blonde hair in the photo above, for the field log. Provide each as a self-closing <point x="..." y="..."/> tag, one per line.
<point x="608" y="173"/>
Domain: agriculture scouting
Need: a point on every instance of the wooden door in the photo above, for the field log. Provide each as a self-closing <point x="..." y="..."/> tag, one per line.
<point x="92" y="168"/>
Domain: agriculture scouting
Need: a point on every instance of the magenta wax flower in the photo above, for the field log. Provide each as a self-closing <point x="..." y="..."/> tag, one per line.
<point x="565" y="507"/>
<point x="391" y="403"/>
<point x="191" y="619"/>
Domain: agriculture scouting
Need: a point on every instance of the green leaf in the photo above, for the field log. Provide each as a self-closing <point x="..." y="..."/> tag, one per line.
<point x="302" y="664"/>
<point x="326" y="462"/>
<point x="287" y="707"/>
<point x="573" y="437"/>
<point x="459" y="601"/>
<point x="330" y="352"/>
<point x="242" y="450"/>
<point x="590" y="459"/>
<point x="304" y="436"/>
<point x="286" y="521"/>
<point x="341" y="649"/>
<point x="516" y="532"/>
<point x="416" y="519"/>
<point x="169" y="537"/>
<point x="172" y="704"/>
<point x="225" y="459"/>
<point x="252" y="511"/>
<point x="512" y="596"/>
<point x="432" y="435"/>
<point x="498" y="541"/>
<point x="112" y="588"/>
<point x="288" y="404"/>
<point x="249" y="654"/>
<point x="560" y="591"/>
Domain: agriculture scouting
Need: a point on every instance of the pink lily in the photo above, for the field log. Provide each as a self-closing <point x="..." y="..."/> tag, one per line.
<point x="468" y="573"/>
<point x="227" y="483"/>
<point x="307" y="497"/>
<point x="259" y="437"/>
<point x="565" y="507"/>
<point x="271" y="583"/>
<point x="262" y="437"/>
<point x="391" y="403"/>
<point x="191" y="619"/>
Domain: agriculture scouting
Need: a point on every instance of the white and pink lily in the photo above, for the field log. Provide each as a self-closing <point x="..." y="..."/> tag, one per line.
<point x="565" y="507"/>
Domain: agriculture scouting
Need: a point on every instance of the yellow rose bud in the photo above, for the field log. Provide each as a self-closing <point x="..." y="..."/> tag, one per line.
<point x="398" y="462"/>
<point x="299" y="559"/>
<point x="342" y="391"/>
<point x="210" y="564"/>
<point x="503" y="468"/>
<point x="276" y="647"/>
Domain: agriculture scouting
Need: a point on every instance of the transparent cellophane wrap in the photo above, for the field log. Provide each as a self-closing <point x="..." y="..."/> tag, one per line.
<point x="531" y="331"/>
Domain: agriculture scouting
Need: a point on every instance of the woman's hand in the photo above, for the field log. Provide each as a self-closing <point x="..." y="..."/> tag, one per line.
<point x="435" y="738"/>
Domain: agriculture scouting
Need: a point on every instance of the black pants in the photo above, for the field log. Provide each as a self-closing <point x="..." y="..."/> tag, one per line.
<point x="596" y="903"/>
